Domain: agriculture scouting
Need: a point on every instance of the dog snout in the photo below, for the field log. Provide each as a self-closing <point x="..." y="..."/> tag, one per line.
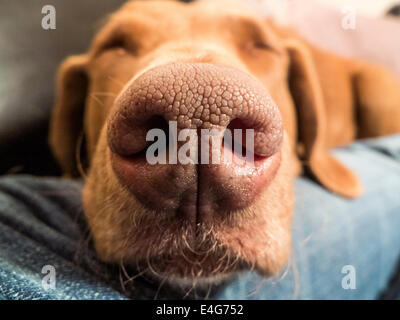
<point x="195" y="96"/>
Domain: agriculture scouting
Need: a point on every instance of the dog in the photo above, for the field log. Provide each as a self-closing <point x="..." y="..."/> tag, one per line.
<point x="208" y="65"/>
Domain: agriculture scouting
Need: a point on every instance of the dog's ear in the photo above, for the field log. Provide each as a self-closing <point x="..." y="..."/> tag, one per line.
<point x="308" y="97"/>
<point x="377" y="99"/>
<point x="66" y="122"/>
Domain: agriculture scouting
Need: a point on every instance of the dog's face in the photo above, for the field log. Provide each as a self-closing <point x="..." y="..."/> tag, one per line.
<point x="206" y="65"/>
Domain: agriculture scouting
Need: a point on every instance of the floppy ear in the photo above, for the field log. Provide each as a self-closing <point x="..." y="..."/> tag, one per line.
<point x="377" y="96"/>
<point x="66" y="122"/>
<point x="312" y="123"/>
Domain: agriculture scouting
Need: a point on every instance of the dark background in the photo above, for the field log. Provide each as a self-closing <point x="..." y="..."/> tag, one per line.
<point x="29" y="58"/>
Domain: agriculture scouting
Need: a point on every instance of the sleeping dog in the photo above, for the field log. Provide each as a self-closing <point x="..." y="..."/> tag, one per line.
<point x="208" y="65"/>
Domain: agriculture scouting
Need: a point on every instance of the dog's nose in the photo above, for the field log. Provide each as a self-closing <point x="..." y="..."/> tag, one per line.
<point x="195" y="96"/>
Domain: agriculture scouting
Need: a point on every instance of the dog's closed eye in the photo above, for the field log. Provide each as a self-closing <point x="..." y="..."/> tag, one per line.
<point x="121" y="36"/>
<point x="118" y="41"/>
<point x="251" y="36"/>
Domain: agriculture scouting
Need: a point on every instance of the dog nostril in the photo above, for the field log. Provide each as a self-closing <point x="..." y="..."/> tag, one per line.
<point x="154" y="124"/>
<point x="244" y="139"/>
<point x="236" y="137"/>
<point x="158" y="123"/>
<point x="133" y="139"/>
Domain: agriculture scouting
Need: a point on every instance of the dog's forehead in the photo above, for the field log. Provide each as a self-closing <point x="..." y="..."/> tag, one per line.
<point x="173" y="11"/>
<point x="168" y="19"/>
<point x="151" y="22"/>
<point x="205" y="6"/>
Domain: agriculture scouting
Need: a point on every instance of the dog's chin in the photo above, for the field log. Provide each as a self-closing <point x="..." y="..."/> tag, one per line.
<point x="185" y="256"/>
<point x="162" y="245"/>
<point x="189" y="282"/>
<point x="182" y="255"/>
<point x="179" y="272"/>
<point x="176" y="254"/>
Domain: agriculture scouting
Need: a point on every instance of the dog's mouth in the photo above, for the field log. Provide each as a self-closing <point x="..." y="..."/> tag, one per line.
<point x="195" y="193"/>
<point x="168" y="246"/>
<point x="195" y="243"/>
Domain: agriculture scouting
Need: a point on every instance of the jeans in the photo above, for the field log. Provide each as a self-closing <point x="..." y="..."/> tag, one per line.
<point x="342" y="248"/>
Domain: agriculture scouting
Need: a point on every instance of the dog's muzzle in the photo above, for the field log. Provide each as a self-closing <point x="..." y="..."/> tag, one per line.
<point x="205" y="98"/>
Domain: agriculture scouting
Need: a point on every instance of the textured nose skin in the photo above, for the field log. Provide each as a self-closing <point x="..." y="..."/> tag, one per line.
<point x="196" y="96"/>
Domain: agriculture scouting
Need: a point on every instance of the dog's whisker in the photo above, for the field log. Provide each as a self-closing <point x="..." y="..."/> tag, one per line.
<point x="285" y="272"/>
<point x="188" y="246"/>
<point x="148" y="261"/>
<point x="187" y="259"/>
<point x="121" y="281"/>
<point x="207" y="296"/>
<point x="296" y="276"/>
<point x="233" y="261"/>
<point x="99" y="101"/>
<point x="78" y="154"/>
<point x="139" y="274"/>
<point x="105" y="94"/>
<point x="115" y="80"/>
<point x="191" y="288"/>
<point x="121" y="264"/>
<point x="163" y="281"/>
<point x="258" y="287"/>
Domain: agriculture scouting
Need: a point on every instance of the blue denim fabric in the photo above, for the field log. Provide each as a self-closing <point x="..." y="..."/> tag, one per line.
<point x="41" y="223"/>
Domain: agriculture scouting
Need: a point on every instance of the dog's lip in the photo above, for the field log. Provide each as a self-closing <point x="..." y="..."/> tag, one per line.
<point x="261" y="171"/>
<point x="238" y="190"/>
<point x="245" y="185"/>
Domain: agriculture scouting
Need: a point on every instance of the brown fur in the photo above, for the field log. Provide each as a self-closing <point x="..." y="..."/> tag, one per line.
<point x="325" y="101"/>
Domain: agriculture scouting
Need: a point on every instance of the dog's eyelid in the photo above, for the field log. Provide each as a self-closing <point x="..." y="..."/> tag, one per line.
<point x="256" y="35"/>
<point x="115" y="38"/>
<point x="117" y="42"/>
<point x="265" y="45"/>
<point x="262" y="39"/>
<point x="262" y="44"/>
